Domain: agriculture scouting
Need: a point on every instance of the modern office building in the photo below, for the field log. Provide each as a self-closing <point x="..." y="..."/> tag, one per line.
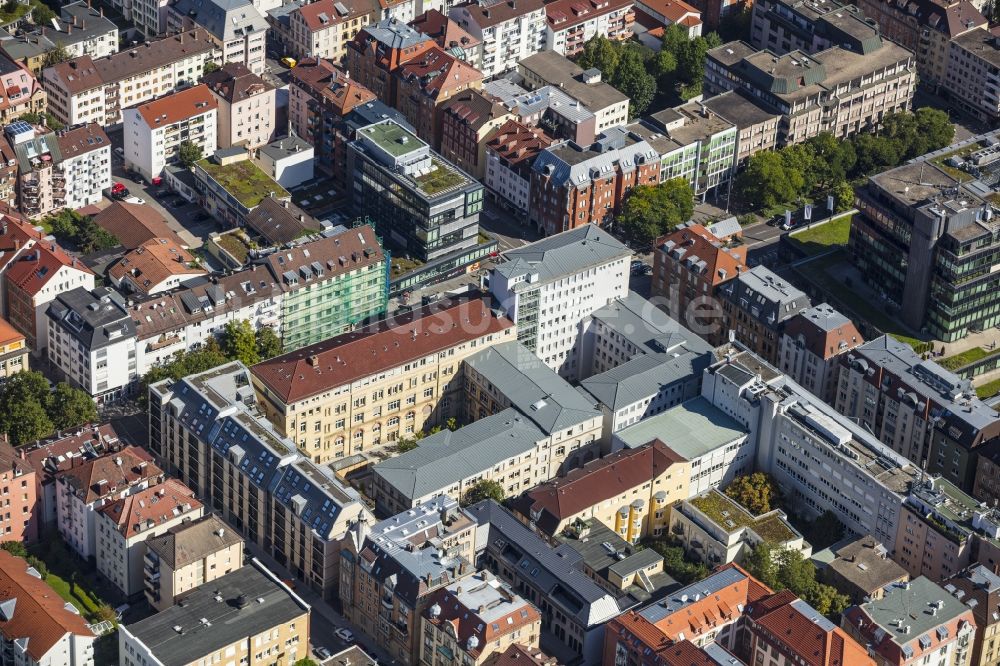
<point x="425" y="208"/>
<point x="916" y="407"/>
<point x="252" y="477"/>
<point x="925" y="238"/>
<point x="551" y="287"/>
<point x="364" y="390"/>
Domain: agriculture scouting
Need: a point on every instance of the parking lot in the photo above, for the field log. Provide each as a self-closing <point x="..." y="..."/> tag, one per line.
<point x="190" y="222"/>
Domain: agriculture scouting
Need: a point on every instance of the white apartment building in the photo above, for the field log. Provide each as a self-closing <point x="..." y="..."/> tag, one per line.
<point x="85" y="164"/>
<point x="83" y="30"/>
<point x="823" y="460"/>
<point x="237" y="28"/>
<point x="149" y="16"/>
<point x="509" y="31"/>
<point x="188" y="555"/>
<point x="91" y="341"/>
<point x="155" y="130"/>
<point x="81" y="492"/>
<point x="572" y="23"/>
<point x="199" y="313"/>
<point x="247" y="107"/>
<point x="85" y="89"/>
<point x="551" y="287"/>
<point x="973" y="73"/>
<point x="123" y="526"/>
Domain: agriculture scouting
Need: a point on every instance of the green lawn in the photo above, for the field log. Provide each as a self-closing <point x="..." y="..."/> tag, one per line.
<point x="963" y="359"/>
<point x="989" y="389"/>
<point x="720" y="509"/>
<point x="73" y="580"/>
<point x="847" y="298"/>
<point x="822" y="237"/>
<point x="9" y="17"/>
<point x="234" y="246"/>
<point x="244" y="180"/>
<point x="400" y="265"/>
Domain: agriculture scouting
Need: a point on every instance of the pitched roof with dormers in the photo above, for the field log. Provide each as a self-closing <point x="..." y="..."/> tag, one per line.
<point x="36" y="267"/>
<point x="111" y="473"/>
<point x="437" y="73"/>
<point x="702" y="252"/>
<point x="153" y="262"/>
<point x="32" y="615"/>
<point x="824" y="331"/>
<point x="554" y="501"/>
<point x="144" y="510"/>
<point x="235" y="82"/>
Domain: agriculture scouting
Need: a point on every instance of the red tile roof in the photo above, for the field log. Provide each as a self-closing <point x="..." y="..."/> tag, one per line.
<point x="118" y="471"/>
<point x="38" y="614"/>
<point x="822" y="342"/>
<point x="134" y="224"/>
<point x="520" y="655"/>
<point x="723" y="263"/>
<point x="9" y="334"/>
<point x="444" y="31"/>
<point x="794" y="628"/>
<point x="34" y="268"/>
<point x="435" y="72"/>
<point x="387" y="344"/>
<point x="178" y="106"/>
<point x="596" y="482"/>
<point x="687" y="653"/>
<point x="151" y="263"/>
<point x="517" y="143"/>
<point x="323" y="14"/>
<point x="673" y="11"/>
<point x="153" y="506"/>
<point x="82" y="140"/>
<point x="563" y="14"/>
<point x="52" y="456"/>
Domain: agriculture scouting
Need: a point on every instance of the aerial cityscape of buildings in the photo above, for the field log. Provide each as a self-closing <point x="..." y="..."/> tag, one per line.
<point x="343" y="332"/>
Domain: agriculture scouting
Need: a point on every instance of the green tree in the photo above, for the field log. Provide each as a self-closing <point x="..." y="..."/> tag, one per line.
<point x="651" y="210"/>
<point x="795" y="572"/>
<point x="935" y="126"/>
<point x="632" y="79"/>
<point x="92" y="238"/>
<point x="15" y="548"/>
<point x="26" y="422"/>
<point x="765" y="182"/>
<point x="39" y="566"/>
<point x="239" y="342"/>
<point x="210" y="66"/>
<point x="826" y="599"/>
<point x="874" y="154"/>
<point x="188" y="153"/>
<point x="843" y="196"/>
<point x="268" y="343"/>
<point x="757" y="492"/>
<point x="305" y="661"/>
<point x="57" y="55"/>
<point x="24" y="386"/>
<point x="41" y="14"/>
<point x="762" y="565"/>
<point x="485" y="489"/>
<point x="602" y="53"/>
<point x="832" y="159"/>
<point x="192" y="361"/>
<point x="405" y="444"/>
<point x="676" y="563"/>
<point x="71" y="407"/>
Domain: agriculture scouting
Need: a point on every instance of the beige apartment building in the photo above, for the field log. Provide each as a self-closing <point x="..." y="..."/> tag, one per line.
<point x="250" y="475"/>
<point x="630" y="492"/>
<point x="388" y="381"/>
<point x="85" y="90"/>
<point x="475" y="618"/>
<point x="188" y="555"/>
<point x="124" y="526"/>
<point x="248" y="617"/>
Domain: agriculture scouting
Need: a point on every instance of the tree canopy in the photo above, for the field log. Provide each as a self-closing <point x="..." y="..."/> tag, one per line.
<point x="782" y="569"/>
<point x="79" y="231"/>
<point x="30" y="411"/>
<point x="652" y="210"/>
<point x="188" y="153"/>
<point x="239" y="341"/>
<point x="757" y="492"/>
<point x="485" y="489"/>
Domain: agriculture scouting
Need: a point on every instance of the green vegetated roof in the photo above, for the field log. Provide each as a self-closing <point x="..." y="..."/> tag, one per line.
<point x="963" y="359"/>
<point x="244" y="180"/>
<point x="731" y="516"/>
<point x="439" y="179"/>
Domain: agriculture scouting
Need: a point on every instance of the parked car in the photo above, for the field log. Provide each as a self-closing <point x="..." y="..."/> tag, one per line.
<point x="119" y="191"/>
<point x="134" y="200"/>
<point x="323" y="653"/>
<point x="157" y="180"/>
<point x="288" y="62"/>
<point x="120" y="152"/>
<point x="344" y="634"/>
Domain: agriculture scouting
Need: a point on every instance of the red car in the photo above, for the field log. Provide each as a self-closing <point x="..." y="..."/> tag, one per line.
<point x="157" y="180"/>
<point x="119" y="191"/>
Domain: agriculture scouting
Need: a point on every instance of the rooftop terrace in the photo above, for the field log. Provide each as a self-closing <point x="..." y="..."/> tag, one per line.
<point x="245" y="181"/>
